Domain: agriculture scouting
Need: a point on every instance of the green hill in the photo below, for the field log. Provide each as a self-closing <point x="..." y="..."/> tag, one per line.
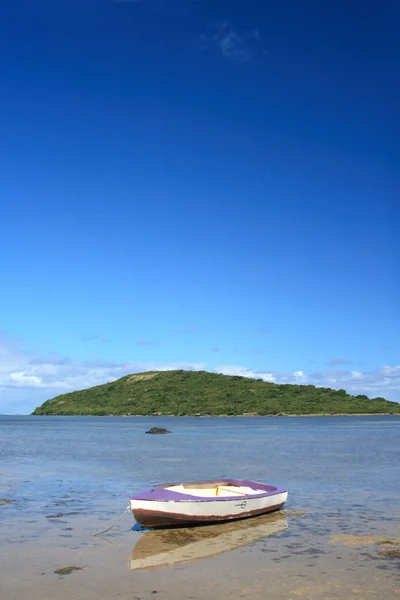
<point x="202" y="393"/>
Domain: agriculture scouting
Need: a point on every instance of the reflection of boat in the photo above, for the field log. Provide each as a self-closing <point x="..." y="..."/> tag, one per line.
<point x="204" y="502"/>
<point x="168" y="547"/>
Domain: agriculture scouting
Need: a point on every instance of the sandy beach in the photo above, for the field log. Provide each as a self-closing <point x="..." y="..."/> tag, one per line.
<point x="326" y="544"/>
<point x="303" y="559"/>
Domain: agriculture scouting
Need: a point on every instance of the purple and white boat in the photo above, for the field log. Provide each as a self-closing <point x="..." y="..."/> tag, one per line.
<point x="192" y="503"/>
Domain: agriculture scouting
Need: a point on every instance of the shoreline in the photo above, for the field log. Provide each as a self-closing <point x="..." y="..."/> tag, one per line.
<point x="245" y="415"/>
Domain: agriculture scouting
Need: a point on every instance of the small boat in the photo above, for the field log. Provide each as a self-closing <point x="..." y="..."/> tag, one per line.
<point x="169" y="547"/>
<point x="194" y="503"/>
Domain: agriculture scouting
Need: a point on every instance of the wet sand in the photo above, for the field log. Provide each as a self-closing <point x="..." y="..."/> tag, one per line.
<point x="285" y="555"/>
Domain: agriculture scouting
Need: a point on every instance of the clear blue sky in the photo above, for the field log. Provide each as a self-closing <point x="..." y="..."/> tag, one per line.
<point x="202" y="184"/>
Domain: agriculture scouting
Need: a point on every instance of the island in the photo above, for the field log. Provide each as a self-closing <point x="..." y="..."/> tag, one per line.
<point x="201" y="393"/>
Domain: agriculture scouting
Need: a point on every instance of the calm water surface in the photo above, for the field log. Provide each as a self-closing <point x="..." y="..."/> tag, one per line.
<point x="68" y="477"/>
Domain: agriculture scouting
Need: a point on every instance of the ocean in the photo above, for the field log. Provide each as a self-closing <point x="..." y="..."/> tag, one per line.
<point x="62" y="479"/>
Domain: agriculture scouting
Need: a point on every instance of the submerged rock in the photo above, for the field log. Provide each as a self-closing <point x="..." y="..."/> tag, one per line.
<point x="158" y="430"/>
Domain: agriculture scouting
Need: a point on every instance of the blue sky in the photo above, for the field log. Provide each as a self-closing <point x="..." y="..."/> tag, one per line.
<point x="198" y="184"/>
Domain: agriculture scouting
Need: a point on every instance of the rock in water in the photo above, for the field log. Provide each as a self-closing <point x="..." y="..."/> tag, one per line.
<point x="158" y="430"/>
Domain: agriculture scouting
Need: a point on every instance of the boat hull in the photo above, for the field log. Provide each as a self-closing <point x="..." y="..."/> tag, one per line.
<point x="152" y="517"/>
<point x="178" y="512"/>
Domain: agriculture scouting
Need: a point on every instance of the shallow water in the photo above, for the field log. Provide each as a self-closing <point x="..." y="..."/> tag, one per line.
<point x="69" y="477"/>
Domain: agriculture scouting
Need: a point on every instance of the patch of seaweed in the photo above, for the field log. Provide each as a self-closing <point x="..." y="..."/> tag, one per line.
<point x="293" y="513"/>
<point x="59" y="515"/>
<point x="68" y="570"/>
<point x="362" y="540"/>
<point x="390" y="553"/>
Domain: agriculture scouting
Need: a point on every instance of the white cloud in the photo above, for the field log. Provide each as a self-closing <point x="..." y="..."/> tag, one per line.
<point x="391" y="371"/>
<point x="300" y="377"/>
<point x="22" y="379"/>
<point x="243" y="372"/>
<point x="356" y="375"/>
<point x="238" y="47"/>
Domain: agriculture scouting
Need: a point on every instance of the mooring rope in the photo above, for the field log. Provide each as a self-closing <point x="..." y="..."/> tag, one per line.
<point x="126" y="559"/>
<point x="116" y="523"/>
<point x="233" y="491"/>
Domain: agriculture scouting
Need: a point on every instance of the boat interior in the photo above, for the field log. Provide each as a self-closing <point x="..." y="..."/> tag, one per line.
<point x="213" y="490"/>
